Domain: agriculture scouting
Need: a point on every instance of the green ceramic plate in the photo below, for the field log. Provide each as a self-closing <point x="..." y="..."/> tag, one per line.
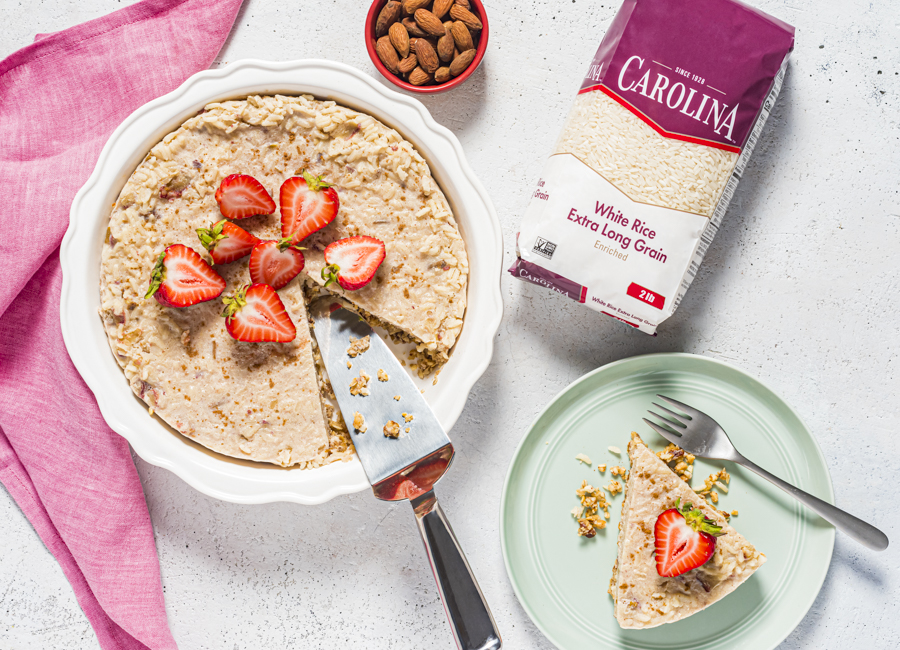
<point x="561" y="579"/>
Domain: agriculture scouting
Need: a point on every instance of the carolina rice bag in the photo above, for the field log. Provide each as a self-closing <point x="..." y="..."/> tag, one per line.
<point x="660" y="133"/>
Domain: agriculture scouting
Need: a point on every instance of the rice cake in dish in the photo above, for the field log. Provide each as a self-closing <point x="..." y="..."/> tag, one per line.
<point x="643" y="598"/>
<point x="263" y="401"/>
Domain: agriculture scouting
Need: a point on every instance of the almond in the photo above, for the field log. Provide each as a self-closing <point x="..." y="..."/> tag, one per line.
<point x="462" y="36"/>
<point x="419" y="77"/>
<point x="442" y="75"/>
<point x="387" y="53"/>
<point x="445" y="48"/>
<point x="463" y="3"/>
<point x="387" y="17"/>
<point x="428" y="58"/>
<point x="413" y="28"/>
<point x="429" y="22"/>
<point x="399" y="39"/>
<point x="441" y="7"/>
<point x="461" y="62"/>
<point x="410" y="6"/>
<point x="408" y="64"/>
<point x="465" y="16"/>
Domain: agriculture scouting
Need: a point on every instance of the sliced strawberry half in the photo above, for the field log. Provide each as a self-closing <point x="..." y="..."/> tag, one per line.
<point x="182" y="278"/>
<point x="240" y="196"/>
<point x="255" y="313"/>
<point x="308" y="204"/>
<point x="275" y="263"/>
<point x="226" y="242"/>
<point x="352" y="262"/>
<point x="685" y="539"/>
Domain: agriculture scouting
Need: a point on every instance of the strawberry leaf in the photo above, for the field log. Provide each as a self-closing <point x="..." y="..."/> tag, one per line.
<point x="158" y="275"/>
<point x="330" y="273"/>
<point x="233" y="304"/>
<point x="695" y="518"/>
<point x="315" y="183"/>
<point x="209" y="237"/>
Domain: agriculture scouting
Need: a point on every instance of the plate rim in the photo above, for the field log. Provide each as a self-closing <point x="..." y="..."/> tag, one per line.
<point x="321" y="484"/>
<point x="829" y="497"/>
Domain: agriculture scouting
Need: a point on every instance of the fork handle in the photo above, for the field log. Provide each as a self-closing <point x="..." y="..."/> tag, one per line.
<point x="865" y="534"/>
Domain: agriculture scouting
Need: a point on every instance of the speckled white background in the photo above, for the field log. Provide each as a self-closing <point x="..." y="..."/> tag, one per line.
<point x="800" y="288"/>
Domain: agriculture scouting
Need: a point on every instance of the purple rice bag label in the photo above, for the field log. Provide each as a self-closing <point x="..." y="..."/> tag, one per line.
<point x="681" y="66"/>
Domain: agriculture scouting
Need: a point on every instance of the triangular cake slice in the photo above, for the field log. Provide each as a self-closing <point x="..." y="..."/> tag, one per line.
<point x="643" y="598"/>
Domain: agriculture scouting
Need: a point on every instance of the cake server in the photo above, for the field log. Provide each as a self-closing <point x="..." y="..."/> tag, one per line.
<point x="700" y="435"/>
<point x="406" y="467"/>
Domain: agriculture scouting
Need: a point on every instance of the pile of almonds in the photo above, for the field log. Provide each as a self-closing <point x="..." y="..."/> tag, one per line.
<point x="427" y="41"/>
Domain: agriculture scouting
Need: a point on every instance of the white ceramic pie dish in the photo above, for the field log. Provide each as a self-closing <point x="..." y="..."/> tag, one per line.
<point x="220" y="476"/>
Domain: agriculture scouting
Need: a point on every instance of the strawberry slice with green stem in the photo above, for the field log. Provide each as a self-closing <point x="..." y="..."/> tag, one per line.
<point x="240" y="196"/>
<point x="226" y="242"/>
<point x="685" y="539"/>
<point x="308" y="204"/>
<point x="275" y="263"/>
<point x="182" y="278"/>
<point x="255" y="313"/>
<point x="352" y="262"/>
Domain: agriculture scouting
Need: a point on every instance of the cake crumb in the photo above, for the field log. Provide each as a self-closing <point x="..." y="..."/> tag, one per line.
<point x="407" y="417"/>
<point x="360" y="385"/>
<point x="406" y="429"/>
<point x="618" y="470"/>
<point x="614" y="488"/>
<point x="359" y="423"/>
<point x="583" y="458"/>
<point x="349" y="365"/>
<point x="734" y="513"/>
<point x="717" y="480"/>
<point x="601" y="468"/>
<point x="678" y="460"/>
<point x="587" y="514"/>
<point x="382" y="375"/>
<point x="391" y="429"/>
<point x="397" y="397"/>
<point x="357" y="346"/>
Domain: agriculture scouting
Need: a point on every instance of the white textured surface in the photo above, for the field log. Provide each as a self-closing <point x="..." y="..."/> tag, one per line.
<point x="799" y="288"/>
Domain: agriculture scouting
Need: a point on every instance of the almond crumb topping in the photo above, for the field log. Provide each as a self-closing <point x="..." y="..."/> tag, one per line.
<point x="391" y="429"/>
<point x="382" y="375"/>
<point x="407" y="417"/>
<point x="678" y="460"/>
<point x="587" y="514"/>
<point x="357" y="346"/>
<point x="360" y="385"/>
<point x="359" y="423"/>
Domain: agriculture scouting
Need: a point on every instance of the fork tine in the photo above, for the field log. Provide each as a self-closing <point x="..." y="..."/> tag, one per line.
<point x="694" y="413"/>
<point x="683" y="419"/>
<point x="667" y="422"/>
<point x="665" y="433"/>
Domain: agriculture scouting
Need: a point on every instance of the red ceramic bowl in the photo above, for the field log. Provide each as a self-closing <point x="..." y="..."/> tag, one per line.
<point x="398" y="81"/>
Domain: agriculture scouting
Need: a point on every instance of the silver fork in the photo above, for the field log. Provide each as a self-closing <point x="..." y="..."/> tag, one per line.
<point x="700" y="435"/>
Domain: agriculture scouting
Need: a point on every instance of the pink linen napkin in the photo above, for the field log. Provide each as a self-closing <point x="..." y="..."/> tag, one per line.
<point x="72" y="476"/>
